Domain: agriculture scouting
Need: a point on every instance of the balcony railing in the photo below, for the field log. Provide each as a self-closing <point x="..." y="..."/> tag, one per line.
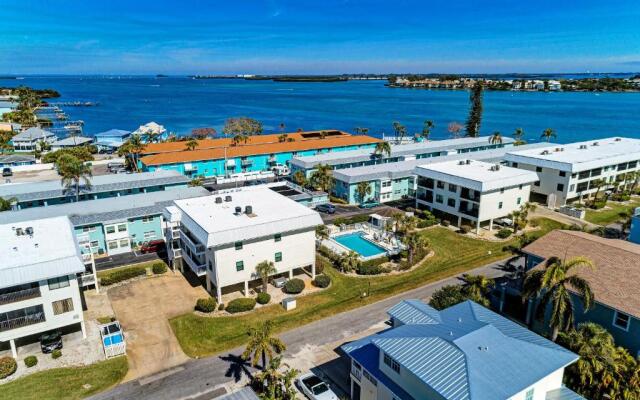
<point x="86" y="279"/>
<point x="20" y="322"/>
<point x="463" y="208"/>
<point x="196" y="248"/>
<point x="246" y="163"/>
<point x="19" y="295"/>
<point x="199" y="269"/>
<point x="470" y="195"/>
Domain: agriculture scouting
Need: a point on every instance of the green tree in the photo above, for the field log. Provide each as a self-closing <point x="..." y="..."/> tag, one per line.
<point x="427" y="126"/>
<point x="598" y="184"/>
<point x="495" y="138"/>
<point x="475" y="112"/>
<point x="548" y="134"/>
<point x="191" y="144"/>
<point x="363" y="189"/>
<point x="197" y="181"/>
<point x="322" y="232"/>
<point x="282" y="138"/>
<point x="262" y="344"/>
<point x="131" y="149"/>
<point x="72" y="172"/>
<point x="451" y="295"/>
<point x="349" y="262"/>
<point x="299" y="178"/>
<point x="477" y="286"/>
<point x="322" y="178"/>
<point x="240" y="137"/>
<point x="416" y="243"/>
<point x="382" y="148"/>
<point x="5" y="204"/>
<point x="361" y="131"/>
<point x="518" y="135"/>
<point x="551" y="287"/>
<point x="263" y="270"/>
<point x="242" y="125"/>
<point x="277" y="380"/>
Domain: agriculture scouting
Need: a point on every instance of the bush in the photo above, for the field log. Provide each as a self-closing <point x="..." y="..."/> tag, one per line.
<point x="445" y="222"/>
<point x="221" y="307"/>
<point x="206" y="305"/>
<point x="240" y="305"/>
<point x="8" y="366"/>
<point x="122" y="275"/>
<point x="30" y="361"/>
<point x="465" y="229"/>
<point x="322" y="281"/>
<point x="337" y="200"/>
<point x="294" y="286"/>
<point x="352" y="220"/>
<point x="57" y="353"/>
<point x="82" y="153"/>
<point x="364" y="269"/>
<point x="263" y="298"/>
<point x="159" y="268"/>
<point x="321" y="263"/>
<point x="504" y="233"/>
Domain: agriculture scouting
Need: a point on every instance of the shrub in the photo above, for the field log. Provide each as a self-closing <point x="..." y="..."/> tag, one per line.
<point x="321" y="263"/>
<point x="8" y="366"/>
<point x="221" y="307"/>
<point x="30" y="361"/>
<point x="159" y="268"/>
<point x="263" y="298"/>
<point x="504" y="233"/>
<point x="321" y="281"/>
<point x="364" y="269"/>
<point x="445" y="222"/>
<point x="122" y="274"/>
<point x="294" y="286"/>
<point x="352" y="220"/>
<point x="337" y="200"/>
<point x="57" y="353"/>
<point x="465" y="229"/>
<point x="206" y="305"/>
<point x="240" y="305"/>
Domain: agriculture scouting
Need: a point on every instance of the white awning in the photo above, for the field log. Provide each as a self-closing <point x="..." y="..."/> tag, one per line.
<point x="188" y="167"/>
<point x="231" y="163"/>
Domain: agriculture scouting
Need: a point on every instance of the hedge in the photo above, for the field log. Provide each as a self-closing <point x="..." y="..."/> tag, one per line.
<point x="322" y="281"/>
<point x="263" y="298"/>
<point x="8" y="366"/>
<point x="364" y="269"/>
<point x="30" y="361"/>
<point x="159" y="268"/>
<point x="504" y="233"/>
<point x="206" y="305"/>
<point x="122" y="275"/>
<point x="352" y="220"/>
<point x="240" y="305"/>
<point x="294" y="286"/>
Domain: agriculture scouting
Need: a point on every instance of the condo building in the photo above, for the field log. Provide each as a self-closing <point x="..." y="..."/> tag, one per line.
<point x="39" y="289"/>
<point x="224" y="237"/>
<point x="568" y="172"/>
<point x="472" y="192"/>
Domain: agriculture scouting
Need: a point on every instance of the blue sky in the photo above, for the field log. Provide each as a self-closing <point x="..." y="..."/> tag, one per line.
<point x="303" y="36"/>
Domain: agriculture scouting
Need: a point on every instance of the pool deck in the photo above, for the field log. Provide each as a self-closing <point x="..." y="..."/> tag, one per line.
<point x="339" y="248"/>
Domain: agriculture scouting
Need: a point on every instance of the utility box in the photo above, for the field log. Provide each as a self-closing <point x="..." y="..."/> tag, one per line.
<point x="289" y="303"/>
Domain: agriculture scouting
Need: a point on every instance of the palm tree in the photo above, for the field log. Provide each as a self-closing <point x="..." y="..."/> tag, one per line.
<point x="414" y="242"/>
<point x="349" y="261"/>
<point x="191" y="144"/>
<point x="548" y="134"/>
<point x="322" y="177"/>
<point x="382" y="148"/>
<point x="400" y="131"/>
<point x="598" y="184"/>
<point x="553" y="283"/>
<point x="278" y="382"/>
<point x="262" y="344"/>
<point x="282" y="138"/>
<point x="323" y="134"/>
<point x="363" y="189"/>
<point x="322" y="232"/>
<point x="398" y="219"/>
<point x="426" y="128"/>
<point x="263" y="270"/>
<point x="361" y="131"/>
<point x="5" y="204"/>
<point x="239" y="138"/>
<point x="495" y="138"/>
<point x="300" y="178"/>
<point x="197" y="181"/>
<point x="131" y="150"/>
<point x="518" y="134"/>
<point x="477" y="286"/>
<point x="72" y="171"/>
<point x="151" y="136"/>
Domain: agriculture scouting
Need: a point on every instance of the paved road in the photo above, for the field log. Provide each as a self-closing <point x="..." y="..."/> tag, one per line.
<point x="119" y="260"/>
<point x="197" y="379"/>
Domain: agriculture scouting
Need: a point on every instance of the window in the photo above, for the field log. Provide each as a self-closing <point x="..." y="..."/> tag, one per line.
<point x="386" y="183"/>
<point x="514" y="164"/>
<point x="519" y="200"/>
<point x="519" y="187"/>
<point x="122" y="227"/>
<point x="499" y="205"/>
<point x="149" y="235"/>
<point x="501" y="190"/>
<point x="391" y="363"/>
<point x="277" y="237"/>
<point x="110" y="229"/>
<point x="58" y="283"/>
<point x="238" y="245"/>
<point x="451" y="202"/>
<point x="562" y="173"/>
<point x="239" y="266"/>
<point x="94" y="244"/>
<point x="453" y="188"/>
<point x="146" y="220"/>
<point x="529" y="394"/>
<point x="439" y="198"/>
<point x="88" y="229"/>
<point x="278" y="256"/>
<point x="440" y="185"/>
<point x="536" y="183"/>
<point x="112" y="244"/>
<point x="560" y="187"/>
<point x="62" y="306"/>
<point x="572" y="188"/>
<point x="124" y="242"/>
<point x="538" y="169"/>
<point x="621" y="320"/>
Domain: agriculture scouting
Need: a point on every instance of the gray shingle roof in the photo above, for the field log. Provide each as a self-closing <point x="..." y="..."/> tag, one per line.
<point x="16" y="158"/>
<point x="72" y="141"/>
<point x="32" y="134"/>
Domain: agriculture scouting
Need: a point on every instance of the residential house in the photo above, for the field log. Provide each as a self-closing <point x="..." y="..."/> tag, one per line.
<point x="111" y="140"/>
<point x="15" y="160"/>
<point x="71" y="141"/>
<point x="32" y="139"/>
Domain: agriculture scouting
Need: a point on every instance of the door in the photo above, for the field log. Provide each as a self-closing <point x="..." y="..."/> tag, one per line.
<point x="355" y="391"/>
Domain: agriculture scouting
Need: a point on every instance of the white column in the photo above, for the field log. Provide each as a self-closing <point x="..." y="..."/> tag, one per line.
<point x="490" y="224"/>
<point x="219" y="294"/>
<point x="246" y="288"/>
<point x="208" y="285"/>
<point x="313" y="270"/>
<point x="84" y="330"/>
<point x="291" y="273"/>
<point x="478" y="227"/>
<point x="459" y="220"/>
<point x="14" y="352"/>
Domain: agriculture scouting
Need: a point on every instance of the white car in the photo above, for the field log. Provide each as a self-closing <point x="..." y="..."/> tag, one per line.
<point x="314" y="388"/>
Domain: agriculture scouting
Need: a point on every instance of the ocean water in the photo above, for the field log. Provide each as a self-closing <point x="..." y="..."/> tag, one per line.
<point x="181" y="104"/>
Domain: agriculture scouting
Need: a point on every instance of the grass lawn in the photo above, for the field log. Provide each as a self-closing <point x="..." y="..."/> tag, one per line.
<point x="454" y="254"/>
<point x="67" y="383"/>
<point x="147" y="265"/>
<point x="610" y="214"/>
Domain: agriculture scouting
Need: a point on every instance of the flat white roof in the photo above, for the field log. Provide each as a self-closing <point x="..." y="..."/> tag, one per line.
<point x="580" y="156"/>
<point x="477" y="175"/>
<point x="50" y="251"/>
<point x="216" y="223"/>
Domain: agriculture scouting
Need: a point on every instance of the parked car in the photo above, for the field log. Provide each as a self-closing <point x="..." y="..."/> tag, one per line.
<point x="326" y="208"/>
<point x="7" y="171"/>
<point x="153" y="246"/>
<point x="370" y="204"/>
<point x="504" y="222"/>
<point x="279" y="282"/>
<point x="51" y="341"/>
<point x="315" y="388"/>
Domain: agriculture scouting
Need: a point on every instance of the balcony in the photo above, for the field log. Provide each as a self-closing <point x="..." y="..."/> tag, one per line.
<point x="469" y="194"/>
<point x="199" y="269"/>
<point x="192" y="244"/>
<point x="175" y="234"/>
<point x="86" y="279"/>
<point x="20" y="322"/>
<point x="19" y="295"/>
<point x="464" y="209"/>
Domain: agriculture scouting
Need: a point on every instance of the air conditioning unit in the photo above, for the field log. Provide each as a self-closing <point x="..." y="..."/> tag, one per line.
<point x="227" y="199"/>
<point x="218" y="200"/>
<point x="583" y="146"/>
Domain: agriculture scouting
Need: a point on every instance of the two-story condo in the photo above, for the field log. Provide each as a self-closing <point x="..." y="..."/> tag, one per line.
<point x="31" y="139"/>
<point x="471" y="191"/>
<point x="224" y="237"/>
<point x="568" y="172"/>
<point x="38" y="279"/>
<point x="221" y="157"/>
<point x="465" y="352"/>
<point x="613" y="281"/>
<point x="111" y="140"/>
<point x="47" y="193"/>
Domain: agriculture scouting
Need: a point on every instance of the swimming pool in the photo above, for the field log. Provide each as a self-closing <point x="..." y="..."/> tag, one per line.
<point x="355" y="241"/>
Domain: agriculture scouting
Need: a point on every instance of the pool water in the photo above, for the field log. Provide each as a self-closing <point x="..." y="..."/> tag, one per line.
<point x="112" y="340"/>
<point x="360" y="245"/>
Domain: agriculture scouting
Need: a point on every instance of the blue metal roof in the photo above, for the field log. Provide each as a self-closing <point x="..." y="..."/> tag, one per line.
<point x="113" y="133"/>
<point x="471" y="353"/>
<point x="368" y="357"/>
<point x="563" y="394"/>
<point x="414" y="312"/>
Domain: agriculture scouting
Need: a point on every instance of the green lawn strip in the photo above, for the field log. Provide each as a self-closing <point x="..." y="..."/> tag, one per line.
<point x="610" y="214"/>
<point x="200" y="336"/>
<point x="67" y="383"/>
<point x="146" y="265"/>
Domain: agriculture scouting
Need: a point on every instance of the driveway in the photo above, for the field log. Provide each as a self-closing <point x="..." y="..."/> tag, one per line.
<point x="143" y="308"/>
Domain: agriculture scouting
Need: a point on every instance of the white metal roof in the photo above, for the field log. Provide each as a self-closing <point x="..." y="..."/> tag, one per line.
<point x="580" y="156"/>
<point x="72" y="141"/>
<point x="477" y="175"/>
<point x="216" y="223"/>
<point x="51" y="251"/>
<point x="32" y="134"/>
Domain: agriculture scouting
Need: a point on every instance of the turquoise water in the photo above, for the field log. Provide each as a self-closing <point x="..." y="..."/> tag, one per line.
<point x="113" y="340"/>
<point x="360" y="245"/>
<point x="182" y="103"/>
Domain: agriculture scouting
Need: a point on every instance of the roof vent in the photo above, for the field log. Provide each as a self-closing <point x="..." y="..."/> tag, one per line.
<point x="35" y="245"/>
<point x="218" y="200"/>
<point x="595" y="144"/>
<point x="459" y="319"/>
<point x="495" y="167"/>
<point x="238" y="211"/>
<point x="19" y="232"/>
<point x="248" y="210"/>
<point x="468" y="162"/>
<point x="583" y="146"/>
<point x="461" y="162"/>
<point x="227" y="198"/>
<point x="29" y="231"/>
<point x="545" y="152"/>
<point x="618" y="139"/>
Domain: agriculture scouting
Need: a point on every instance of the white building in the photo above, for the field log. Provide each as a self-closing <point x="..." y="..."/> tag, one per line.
<point x="39" y="263"/>
<point x="566" y="172"/>
<point x="224" y="237"/>
<point x="555" y="85"/>
<point x="472" y="191"/>
<point x="31" y="139"/>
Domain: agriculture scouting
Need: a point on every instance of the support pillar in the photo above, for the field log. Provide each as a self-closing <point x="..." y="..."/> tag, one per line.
<point x="84" y="330"/>
<point x="219" y="295"/>
<point x="291" y="273"/>
<point x="459" y="221"/>
<point x="503" y="293"/>
<point x="246" y="288"/>
<point x="313" y="270"/>
<point x="14" y="352"/>
<point x="208" y="285"/>
<point x="490" y="224"/>
<point x="529" y="310"/>
<point x="478" y="227"/>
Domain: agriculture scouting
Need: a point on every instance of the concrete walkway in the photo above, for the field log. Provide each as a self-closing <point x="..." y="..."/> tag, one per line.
<point x="544" y="212"/>
<point x="200" y="378"/>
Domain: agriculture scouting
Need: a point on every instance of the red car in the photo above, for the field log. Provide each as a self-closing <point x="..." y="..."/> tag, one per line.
<point x="153" y="246"/>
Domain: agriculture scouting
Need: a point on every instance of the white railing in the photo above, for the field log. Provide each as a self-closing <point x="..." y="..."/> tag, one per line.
<point x="20" y="322"/>
<point x="196" y="248"/>
<point x="199" y="269"/>
<point x="87" y="279"/>
<point x="19" y="295"/>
